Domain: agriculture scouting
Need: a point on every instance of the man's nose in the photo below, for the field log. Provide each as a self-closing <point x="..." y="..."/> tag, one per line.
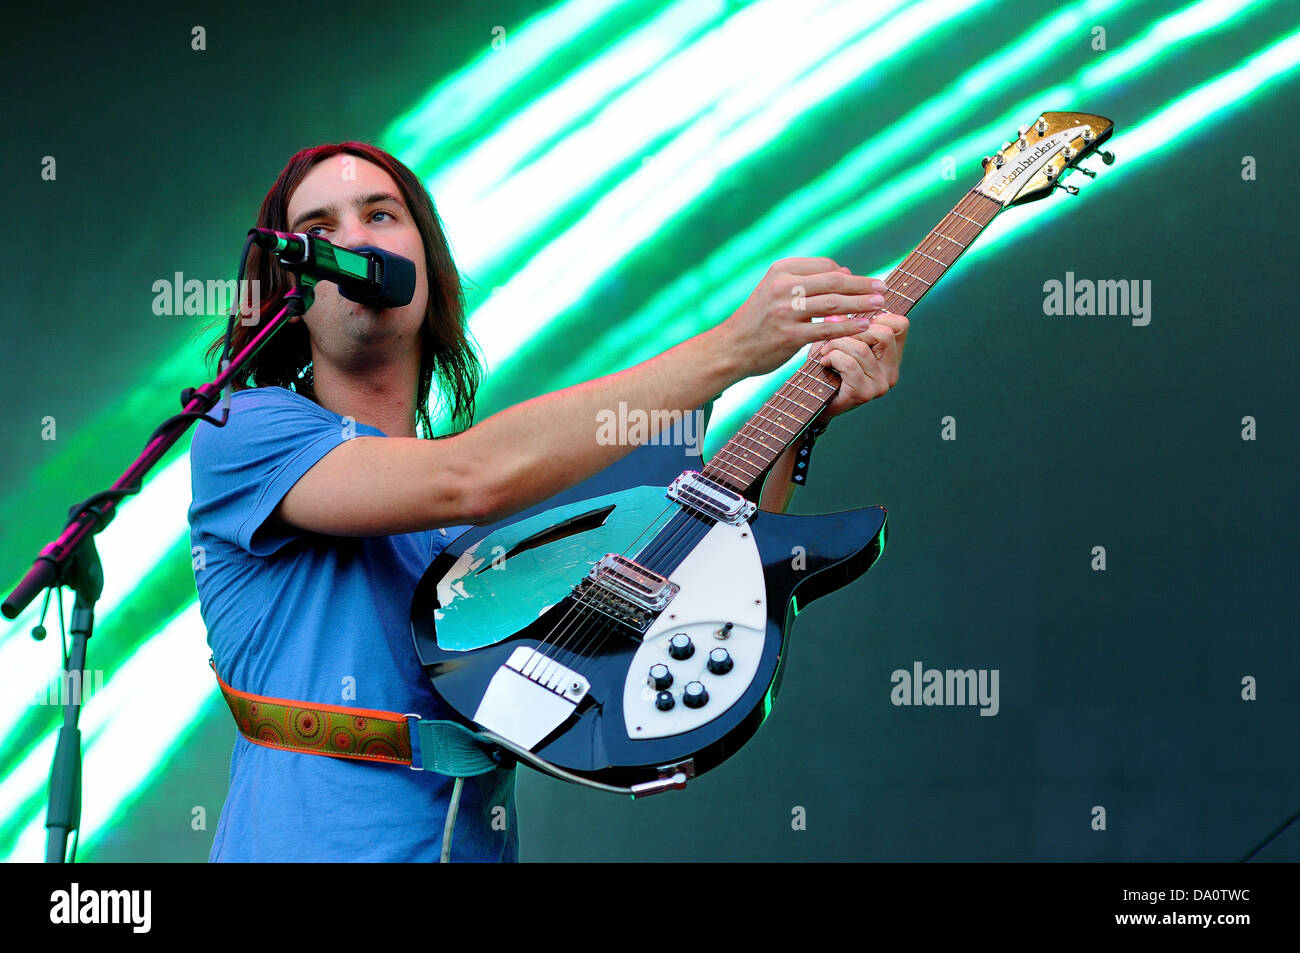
<point x="353" y="233"/>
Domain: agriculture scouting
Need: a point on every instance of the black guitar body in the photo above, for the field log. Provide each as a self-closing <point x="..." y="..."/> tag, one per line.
<point x="499" y="588"/>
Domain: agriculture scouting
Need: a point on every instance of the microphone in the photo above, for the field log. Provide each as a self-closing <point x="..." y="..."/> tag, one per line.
<point x="366" y="275"/>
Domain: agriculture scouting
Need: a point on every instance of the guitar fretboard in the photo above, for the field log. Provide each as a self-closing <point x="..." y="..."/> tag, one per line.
<point x="747" y="456"/>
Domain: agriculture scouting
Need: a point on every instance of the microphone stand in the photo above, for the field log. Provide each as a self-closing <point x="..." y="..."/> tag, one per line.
<point x="72" y="560"/>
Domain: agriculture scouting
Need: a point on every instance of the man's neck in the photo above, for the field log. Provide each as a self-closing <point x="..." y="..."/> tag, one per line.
<point x="381" y="397"/>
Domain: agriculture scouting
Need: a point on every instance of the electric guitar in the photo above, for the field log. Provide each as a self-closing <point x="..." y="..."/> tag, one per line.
<point x="630" y="633"/>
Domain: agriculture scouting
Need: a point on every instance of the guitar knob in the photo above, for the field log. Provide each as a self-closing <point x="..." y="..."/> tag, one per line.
<point x="660" y="677"/>
<point x="720" y="662"/>
<point x="695" y="695"/>
<point x="681" y="647"/>
<point x="664" y="701"/>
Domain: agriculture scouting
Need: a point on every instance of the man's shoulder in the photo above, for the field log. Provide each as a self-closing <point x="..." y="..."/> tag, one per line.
<point x="259" y="413"/>
<point x="270" y="393"/>
<point x="255" y="400"/>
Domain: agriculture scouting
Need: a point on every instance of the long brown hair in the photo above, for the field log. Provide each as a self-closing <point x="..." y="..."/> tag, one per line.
<point x="445" y="349"/>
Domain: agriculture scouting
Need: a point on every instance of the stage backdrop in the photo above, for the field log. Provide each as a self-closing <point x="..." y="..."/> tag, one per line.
<point x="1089" y="462"/>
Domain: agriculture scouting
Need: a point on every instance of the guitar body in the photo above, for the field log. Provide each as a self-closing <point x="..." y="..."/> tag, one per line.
<point x="506" y="591"/>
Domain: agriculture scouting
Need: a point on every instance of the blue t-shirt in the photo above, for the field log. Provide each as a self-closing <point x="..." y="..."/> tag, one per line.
<point x="324" y="619"/>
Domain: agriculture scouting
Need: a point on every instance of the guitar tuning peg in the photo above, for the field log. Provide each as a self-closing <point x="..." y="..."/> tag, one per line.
<point x="985" y="161"/>
<point x="1107" y="157"/>
<point x="1088" y="172"/>
<point x="1071" y="189"/>
<point x="1040" y="127"/>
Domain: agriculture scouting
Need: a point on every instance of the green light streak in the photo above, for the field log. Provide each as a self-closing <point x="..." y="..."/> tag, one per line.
<point x="132" y="545"/>
<point x="697" y="94"/>
<point x="731" y="270"/>
<point x="638" y="207"/>
<point x="460" y="102"/>
<point x="1145" y="51"/>
<point x="464" y="182"/>
<point x="127" y="732"/>
<point x="739" y="402"/>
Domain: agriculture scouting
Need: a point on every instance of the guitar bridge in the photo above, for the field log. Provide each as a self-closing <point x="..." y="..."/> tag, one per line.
<point x="625" y="591"/>
<point x="634" y="583"/>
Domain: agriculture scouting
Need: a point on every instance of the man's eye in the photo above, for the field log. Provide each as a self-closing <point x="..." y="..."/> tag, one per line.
<point x="312" y="229"/>
<point x="380" y="212"/>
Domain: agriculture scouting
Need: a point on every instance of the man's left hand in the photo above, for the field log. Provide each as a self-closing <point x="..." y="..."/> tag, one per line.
<point x="867" y="362"/>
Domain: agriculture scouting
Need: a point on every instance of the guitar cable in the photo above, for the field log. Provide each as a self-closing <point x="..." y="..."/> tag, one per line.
<point x="546" y="767"/>
<point x="453" y="806"/>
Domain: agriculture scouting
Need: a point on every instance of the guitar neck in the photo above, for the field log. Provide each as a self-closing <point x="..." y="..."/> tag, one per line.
<point x="746" y="458"/>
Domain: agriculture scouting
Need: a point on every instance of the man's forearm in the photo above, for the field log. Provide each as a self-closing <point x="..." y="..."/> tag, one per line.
<point x="557" y="439"/>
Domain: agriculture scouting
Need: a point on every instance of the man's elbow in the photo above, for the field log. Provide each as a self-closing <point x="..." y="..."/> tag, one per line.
<point x="482" y="499"/>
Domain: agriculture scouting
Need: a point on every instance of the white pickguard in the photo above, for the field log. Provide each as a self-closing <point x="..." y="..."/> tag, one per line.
<point x="721" y="581"/>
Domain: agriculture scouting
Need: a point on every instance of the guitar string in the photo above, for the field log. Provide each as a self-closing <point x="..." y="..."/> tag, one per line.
<point x="579" y="604"/>
<point x="595" y="636"/>
<point x="670" y="547"/>
<point x="574" y="616"/>
<point x="571" y="628"/>
<point x="574" y="627"/>
<point x="669" y="542"/>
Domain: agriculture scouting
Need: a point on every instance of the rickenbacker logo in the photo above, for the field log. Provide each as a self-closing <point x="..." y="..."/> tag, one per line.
<point x="1032" y="160"/>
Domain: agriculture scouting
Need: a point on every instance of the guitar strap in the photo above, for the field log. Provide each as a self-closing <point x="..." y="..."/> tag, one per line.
<point x="361" y="734"/>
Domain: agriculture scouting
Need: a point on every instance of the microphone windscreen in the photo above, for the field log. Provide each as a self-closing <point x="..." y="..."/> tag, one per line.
<point x="397" y="281"/>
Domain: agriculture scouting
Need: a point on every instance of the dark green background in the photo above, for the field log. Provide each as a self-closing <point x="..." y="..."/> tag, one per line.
<point x="1118" y="688"/>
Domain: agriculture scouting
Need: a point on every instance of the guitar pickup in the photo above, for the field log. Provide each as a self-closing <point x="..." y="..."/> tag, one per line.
<point x="693" y="490"/>
<point x="623" y="578"/>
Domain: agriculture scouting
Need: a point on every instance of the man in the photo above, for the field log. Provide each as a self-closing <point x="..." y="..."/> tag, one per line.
<point x="318" y="508"/>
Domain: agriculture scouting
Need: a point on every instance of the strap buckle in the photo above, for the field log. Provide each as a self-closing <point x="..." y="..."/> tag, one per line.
<point x="415" y="734"/>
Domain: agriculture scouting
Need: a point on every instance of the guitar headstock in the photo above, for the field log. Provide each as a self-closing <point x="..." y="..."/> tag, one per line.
<point x="1045" y="151"/>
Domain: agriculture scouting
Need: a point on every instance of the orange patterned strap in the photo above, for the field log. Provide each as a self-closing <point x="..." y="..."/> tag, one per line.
<point x="357" y="733"/>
